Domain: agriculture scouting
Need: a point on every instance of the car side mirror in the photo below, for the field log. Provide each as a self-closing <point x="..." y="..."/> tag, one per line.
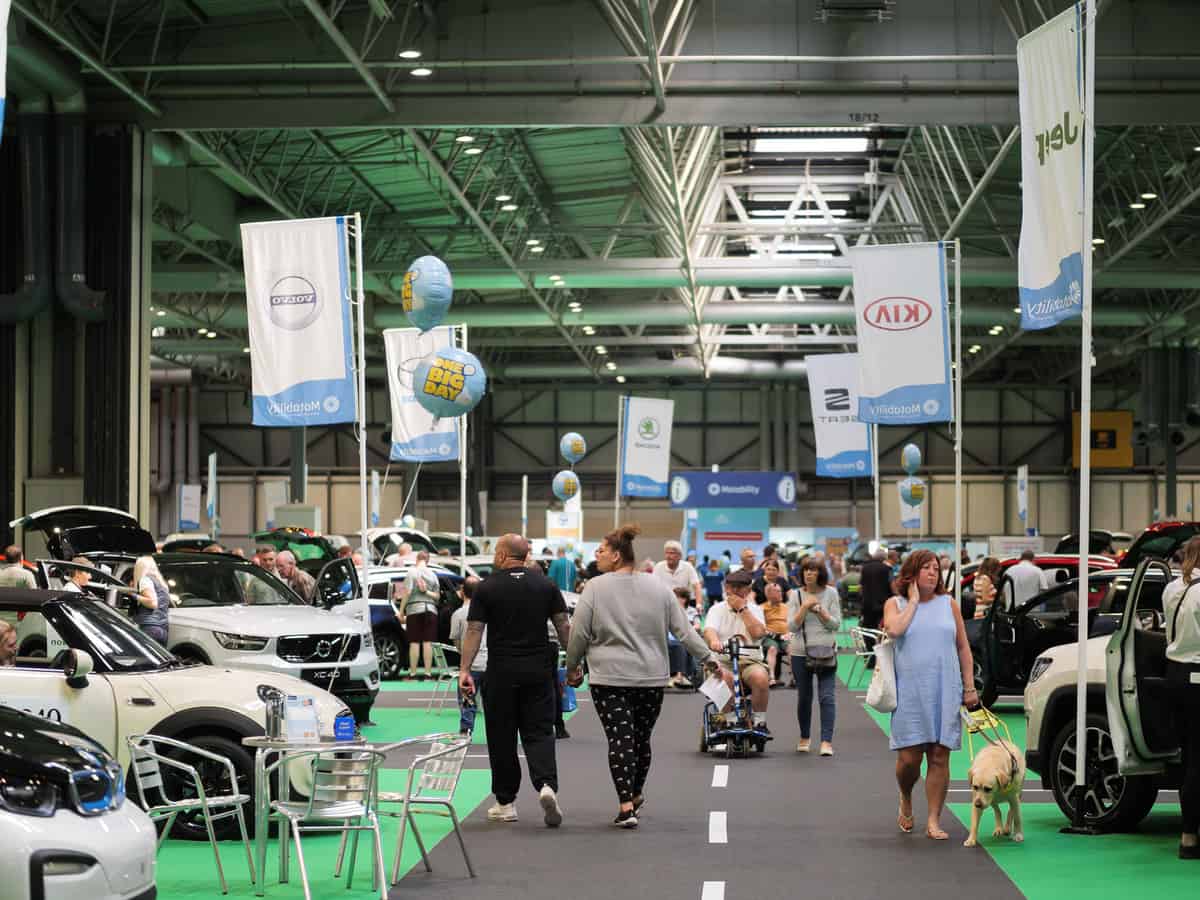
<point x="77" y="665"/>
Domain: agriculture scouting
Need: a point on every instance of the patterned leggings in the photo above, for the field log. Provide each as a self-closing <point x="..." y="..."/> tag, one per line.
<point x="628" y="715"/>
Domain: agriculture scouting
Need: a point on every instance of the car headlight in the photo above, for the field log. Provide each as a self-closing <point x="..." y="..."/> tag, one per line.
<point x="232" y="641"/>
<point x="28" y="795"/>
<point x="1040" y="665"/>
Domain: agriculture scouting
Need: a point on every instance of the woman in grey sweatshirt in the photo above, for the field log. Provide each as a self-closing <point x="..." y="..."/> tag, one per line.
<point x="621" y="625"/>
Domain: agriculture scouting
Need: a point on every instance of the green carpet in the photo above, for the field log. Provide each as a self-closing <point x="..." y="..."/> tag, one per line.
<point x="397" y="724"/>
<point x="185" y="868"/>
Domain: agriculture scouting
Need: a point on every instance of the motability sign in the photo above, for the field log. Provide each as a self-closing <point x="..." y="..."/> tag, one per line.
<point x="645" y="446"/>
<point x="729" y="490"/>
<point x="298" y="312"/>
<point x="1050" y="255"/>
<point x="900" y="310"/>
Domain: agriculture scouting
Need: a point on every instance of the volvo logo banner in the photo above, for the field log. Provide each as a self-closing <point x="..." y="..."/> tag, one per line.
<point x="298" y="314"/>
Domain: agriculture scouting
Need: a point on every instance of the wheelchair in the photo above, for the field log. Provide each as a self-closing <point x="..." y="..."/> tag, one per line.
<point x="734" y="729"/>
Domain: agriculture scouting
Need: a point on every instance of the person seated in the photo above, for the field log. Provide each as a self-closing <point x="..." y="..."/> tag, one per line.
<point x="77" y="579"/>
<point x="775" y="641"/>
<point x="737" y="616"/>
<point x="8" y="644"/>
<point x="683" y="667"/>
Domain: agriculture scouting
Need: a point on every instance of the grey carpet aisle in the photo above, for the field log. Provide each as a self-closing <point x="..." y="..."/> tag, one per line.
<point x="797" y="825"/>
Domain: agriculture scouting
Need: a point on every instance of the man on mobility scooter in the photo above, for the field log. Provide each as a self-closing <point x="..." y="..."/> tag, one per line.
<point x="737" y="617"/>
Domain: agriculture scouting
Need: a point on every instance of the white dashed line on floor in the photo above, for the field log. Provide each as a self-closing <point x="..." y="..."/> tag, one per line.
<point x="713" y="890"/>
<point x="720" y="776"/>
<point x="716" y="828"/>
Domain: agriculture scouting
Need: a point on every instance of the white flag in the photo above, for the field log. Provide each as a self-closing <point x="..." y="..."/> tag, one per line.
<point x="414" y="438"/>
<point x="843" y="442"/>
<point x="1023" y="494"/>
<point x="900" y="311"/>
<point x="298" y="312"/>
<point x="4" y="5"/>
<point x="646" y="448"/>
<point x="212" y="491"/>
<point x="1050" y="258"/>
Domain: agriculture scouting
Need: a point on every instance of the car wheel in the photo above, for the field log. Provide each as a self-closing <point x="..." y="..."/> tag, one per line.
<point x="1113" y="802"/>
<point x="215" y="779"/>
<point x="192" y="656"/>
<point x="985" y="686"/>
<point x="387" y="648"/>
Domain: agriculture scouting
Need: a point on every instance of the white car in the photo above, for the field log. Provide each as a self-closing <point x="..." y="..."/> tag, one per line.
<point x="1130" y="750"/>
<point x="65" y="824"/>
<point x="111" y="681"/>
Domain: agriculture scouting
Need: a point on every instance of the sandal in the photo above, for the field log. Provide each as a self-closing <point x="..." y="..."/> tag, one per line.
<point x="936" y="834"/>
<point x="904" y="822"/>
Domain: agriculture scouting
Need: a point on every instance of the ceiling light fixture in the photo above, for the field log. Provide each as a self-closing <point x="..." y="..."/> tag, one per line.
<point x="533" y="242"/>
<point x="538" y="249"/>
<point x="410" y="53"/>
<point x="601" y="349"/>
<point x="245" y="349"/>
<point x="509" y="207"/>
<point x="588" y="329"/>
<point x="161" y="312"/>
<point x="1149" y="195"/>
<point x="421" y="72"/>
<point x="610" y="365"/>
<point x="211" y="334"/>
<point x="474" y="151"/>
<point x="1137" y="204"/>
<point x="503" y="198"/>
<point x="202" y="331"/>
<point x="465" y="139"/>
<point x="777" y="146"/>
<point x="974" y="348"/>
<point x="1097" y="241"/>
<point x="620" y="379"/>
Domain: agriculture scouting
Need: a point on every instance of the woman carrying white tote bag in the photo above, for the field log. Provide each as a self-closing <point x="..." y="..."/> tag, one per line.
<point x="881" y="695"/>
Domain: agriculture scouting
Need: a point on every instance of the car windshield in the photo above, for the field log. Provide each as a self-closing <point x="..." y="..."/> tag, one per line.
<point x="217" y="582"/>
<point x="115" y="643"/>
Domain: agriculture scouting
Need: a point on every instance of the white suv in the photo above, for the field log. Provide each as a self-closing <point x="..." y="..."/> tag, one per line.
<point x="1130" y="750"/>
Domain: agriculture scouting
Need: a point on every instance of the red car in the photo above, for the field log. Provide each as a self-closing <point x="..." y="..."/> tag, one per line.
<point x="1054" y="564"/>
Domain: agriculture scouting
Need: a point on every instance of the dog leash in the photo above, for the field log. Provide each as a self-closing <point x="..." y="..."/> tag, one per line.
<point x="979" y="721"/>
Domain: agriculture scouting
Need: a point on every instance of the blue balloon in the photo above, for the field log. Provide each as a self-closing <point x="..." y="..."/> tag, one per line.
<point x="566" y="485"/>
<point x="913" y="491"/>
<point x="910" y="458"/>
<point x="409" y="521"/>
<point x="449" y="382"/>
<point x="572" y="447"/>
<point x="428" y="290"/>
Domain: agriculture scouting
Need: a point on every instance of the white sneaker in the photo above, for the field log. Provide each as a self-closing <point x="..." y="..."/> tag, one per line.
<point x="803" y="745"/>
<point x="549" y="800"/>
<point x="502" y="812"/>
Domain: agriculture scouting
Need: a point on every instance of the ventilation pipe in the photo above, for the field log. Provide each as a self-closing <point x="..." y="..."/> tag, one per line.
<point x="36" y="288"/>
<point x="179" y="442"/>
<point x="71" y="271"/>
<point x="193" y="435"/>
<point x="777" y="424"/>
<point x="163" y="456"/>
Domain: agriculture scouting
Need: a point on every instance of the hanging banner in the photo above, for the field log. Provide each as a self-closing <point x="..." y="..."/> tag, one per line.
<point x="414" y="435"/>
<point x="900" y="310"/>
<point x="298" y="312"/>
<point x="731" y="490"/>
<point x="910" y="516"/>
<point x="213" y="524"/>
<point x="374" y="498"/>
<point x="843" y="442"/>
<point x="646" y="448"/>
<point x="4" y="5"/>
<point x="1023" y="493"/>
<point x="275" y="494"/>
<point x="189" y="508"/>
<point x="1050" y="256"/>
<point x="563" y="526"/>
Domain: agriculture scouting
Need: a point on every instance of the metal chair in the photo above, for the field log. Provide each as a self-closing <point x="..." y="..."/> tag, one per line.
<point x="432" y="780"/>
<point x="445" y="678"/>
<point x="862" y="652"/>
<point x="148" y="761"/>
<point x="344" y="787"/>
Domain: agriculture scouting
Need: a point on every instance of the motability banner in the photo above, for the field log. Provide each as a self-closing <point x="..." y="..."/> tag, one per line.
<point x="298" y="311"/>
<point x="843" y="442"/>
<point x="731" y="490"/>
<point x="414" y="438"/>
<point x="4" y="4"/>
<point x="646" y="447"/>
<point x="1050" y="256"/>
<point x="900" y="310"/>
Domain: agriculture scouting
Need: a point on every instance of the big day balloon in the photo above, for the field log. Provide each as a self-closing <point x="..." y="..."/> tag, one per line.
<point x="913" y="491"/>
<point x="428" y="290"/>
<point x="449" y="382"/>
<point x="566" y="485"/>
<point x="573" y="447"/>
<point x="910" y="458"/>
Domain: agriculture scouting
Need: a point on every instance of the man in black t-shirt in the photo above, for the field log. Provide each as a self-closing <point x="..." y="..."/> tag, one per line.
<point x="514" y="604"/>
<point x="874" y="589"/>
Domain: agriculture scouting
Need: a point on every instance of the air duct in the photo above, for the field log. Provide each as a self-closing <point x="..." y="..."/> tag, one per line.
<point x="193" y="435"/>
<point x="71" y="270"/>
<point x="178" y="438"/>
<point x="36" y="288"/>
<point x="163" y="456"/>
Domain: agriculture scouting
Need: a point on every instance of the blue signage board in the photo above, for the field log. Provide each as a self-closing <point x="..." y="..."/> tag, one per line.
<point x="729" y="490"/>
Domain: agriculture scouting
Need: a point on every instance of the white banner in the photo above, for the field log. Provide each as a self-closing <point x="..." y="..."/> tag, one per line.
<point x="374" y="498"/>
<point x="414" y="438"/>
<point x="4" y="5"/>
<point x="1023" y="494"/>
<point x="646" y="447"/>
<point x="212" y="494"/>
<point x="910" y="516"/>
<point x="298" y="312"/>
<point x="1050" y="259"/>
<point x="900" y="310"/>
<point x="843" y="442"/>
<point x="563" y="526"/>
<point x="275" y="494"/>
<point x="189" y="508"/>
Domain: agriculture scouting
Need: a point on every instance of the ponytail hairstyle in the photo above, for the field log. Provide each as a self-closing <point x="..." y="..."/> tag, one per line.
<point x="621" y="540"/>
<point x="1191" y="557"/>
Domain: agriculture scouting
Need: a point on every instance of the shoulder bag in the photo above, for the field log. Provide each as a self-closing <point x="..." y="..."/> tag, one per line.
<point x="819" y="658"/>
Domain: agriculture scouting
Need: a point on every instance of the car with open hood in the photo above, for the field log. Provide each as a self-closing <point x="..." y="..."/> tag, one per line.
<point x="110" y="680"/>
<point x="65" y="824"/>
<point x="1160" y="540"/>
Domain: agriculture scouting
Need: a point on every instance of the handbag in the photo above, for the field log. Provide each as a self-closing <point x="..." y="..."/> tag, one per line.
<point x="881" y="695"/>
<point x="819" y="658"/>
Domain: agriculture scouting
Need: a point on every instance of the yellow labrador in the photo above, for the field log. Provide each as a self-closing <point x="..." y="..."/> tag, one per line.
<point x="997" y="776"/>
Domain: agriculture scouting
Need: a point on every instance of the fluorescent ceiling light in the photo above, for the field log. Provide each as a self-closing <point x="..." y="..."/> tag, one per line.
<point x="797" y="253"/>
<point x="806" y="213"/>
<point x="503" y="198"/>
<point x="509" y="207"/>
<point x="776" y="197"/>
<point x="411" y="53"/>
<point x="533" y="242"/>
<point x="245" y="349"/>
<point x="1017" y="309"/>
<point x="556" y="278"/>
<point x="588" y="329"/>
<point x="1097" y="241"/>
<point x="465" y="139"/>
<point x="620" y="379"/>
<point x="610" y="365"/>
<point x="211" y="334"/>
<point x="421" y="72"/>
<point x="201" y="331"/>
<point x="793" y="246"/>
<point x="474" y="151"/>
<point x="538" y="249"/>
<point x="1149" y="195"/>
<point x="1137" y="205"/>
<point x="782" y="146"/>
<point x="601" y="349"/>
<point x="974" y="348"/>
<point x="161" y="312"/>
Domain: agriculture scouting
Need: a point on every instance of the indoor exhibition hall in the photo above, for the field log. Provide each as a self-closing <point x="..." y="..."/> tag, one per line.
<point x="526" y="449"/>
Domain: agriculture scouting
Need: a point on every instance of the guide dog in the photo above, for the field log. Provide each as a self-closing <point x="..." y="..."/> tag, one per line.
<point x="997" y="776"/>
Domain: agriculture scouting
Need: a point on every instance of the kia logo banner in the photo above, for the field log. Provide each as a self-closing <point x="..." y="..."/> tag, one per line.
<point x="843" y="442"/>
<point x="903" y="325"/>
<point x="298" y="314"/>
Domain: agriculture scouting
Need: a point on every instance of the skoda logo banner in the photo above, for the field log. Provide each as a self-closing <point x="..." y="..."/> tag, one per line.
<point x="293" y="303"/>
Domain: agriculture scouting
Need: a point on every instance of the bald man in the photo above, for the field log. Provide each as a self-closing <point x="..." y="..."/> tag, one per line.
<point x="293" y="576"/>
<point x="514" y="604"/>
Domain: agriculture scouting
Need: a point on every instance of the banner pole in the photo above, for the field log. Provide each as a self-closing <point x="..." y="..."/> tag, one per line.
<point x="875" y="476"/>
<point x="1085" y="406"/>
<point x="462" y="479"/>
<point x="525" y="506"/>
<point x="363" y="610"/>
<point x="956" y="559"/>
<point x="621" y="401"/>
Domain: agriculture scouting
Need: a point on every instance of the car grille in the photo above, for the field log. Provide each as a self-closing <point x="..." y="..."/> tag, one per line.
<point x="318" y="648"/>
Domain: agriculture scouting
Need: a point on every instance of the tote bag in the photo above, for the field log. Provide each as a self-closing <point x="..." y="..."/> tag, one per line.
<point x="881" y="695"/>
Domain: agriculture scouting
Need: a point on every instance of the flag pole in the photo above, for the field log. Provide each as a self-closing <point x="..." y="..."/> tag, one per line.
<point x="362" y="608"/>
<point x="525" y="506"/>
<point x="462" y="479"/>
<point x="621" y="401"/>
<point x="1085" y="410"/>
<point x="956" y="559"/>
<point x="875" y="477"/>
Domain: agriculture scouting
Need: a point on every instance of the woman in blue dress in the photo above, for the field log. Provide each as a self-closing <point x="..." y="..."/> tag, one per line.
<point x="934" y="677"/>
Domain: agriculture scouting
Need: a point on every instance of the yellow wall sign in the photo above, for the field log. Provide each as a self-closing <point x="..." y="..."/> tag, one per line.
<point x="1112" y="439"/>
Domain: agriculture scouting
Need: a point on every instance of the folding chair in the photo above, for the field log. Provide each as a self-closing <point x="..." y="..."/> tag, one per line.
<point x="862" y="652"/>
<point x="432" y="781"/>
<point x="148" y="761"/>
<point x="445" y="678"/>
<point x="344" y="788"/>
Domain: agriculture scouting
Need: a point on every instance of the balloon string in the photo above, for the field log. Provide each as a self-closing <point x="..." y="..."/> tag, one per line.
<point x="416" y="475"/>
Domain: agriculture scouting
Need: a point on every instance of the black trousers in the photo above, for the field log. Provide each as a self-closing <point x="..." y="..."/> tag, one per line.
<point x="628" y="716"/>
<point x="519" y="704"/>
<point x="1187" y="723"/>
